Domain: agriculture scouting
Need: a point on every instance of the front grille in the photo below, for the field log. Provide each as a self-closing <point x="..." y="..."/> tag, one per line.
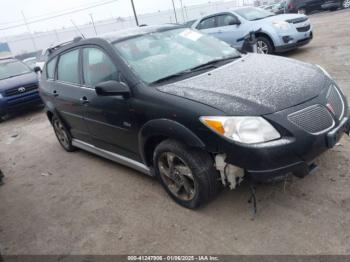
<point x="315" y="119"/>
<point x="20" y="90"/>
<point x="304" y="28"/>
<point x="297" y="20"/>
<point x="335" y="102"/>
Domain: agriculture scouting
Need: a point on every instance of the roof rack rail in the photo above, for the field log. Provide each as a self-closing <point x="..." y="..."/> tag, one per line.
<point x="61" y="44"/>
<point x="6" y="57"/>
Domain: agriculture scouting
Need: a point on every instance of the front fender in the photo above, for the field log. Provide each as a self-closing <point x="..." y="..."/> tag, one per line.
<point x="169" y="129"/>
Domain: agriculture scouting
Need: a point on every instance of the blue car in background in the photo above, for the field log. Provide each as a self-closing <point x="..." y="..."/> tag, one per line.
<point x="18" y="86"/>
<point x="279" y="33"/>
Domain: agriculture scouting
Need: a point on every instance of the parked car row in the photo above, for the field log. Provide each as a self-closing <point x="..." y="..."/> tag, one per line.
<point x="306" y="6"/>
<point x="183" y="105"/>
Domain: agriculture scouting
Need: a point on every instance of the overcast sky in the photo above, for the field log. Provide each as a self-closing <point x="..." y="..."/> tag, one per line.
<point x="10" y="11"/>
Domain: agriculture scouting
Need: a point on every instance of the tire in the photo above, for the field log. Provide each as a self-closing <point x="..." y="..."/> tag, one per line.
<point x="192" y="174"/>
<point x="62" y="134"/>
<point x="345" y="4"/>
<point x="264" y="45"/>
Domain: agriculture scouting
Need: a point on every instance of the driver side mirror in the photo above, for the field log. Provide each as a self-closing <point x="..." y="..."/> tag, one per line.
<point x="37" y="69"/>
<point x="112" y="88"/>
<point x="237" y="22"/>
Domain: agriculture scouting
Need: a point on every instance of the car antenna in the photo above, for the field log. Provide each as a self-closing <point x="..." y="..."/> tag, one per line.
<point x="77" y="29"/>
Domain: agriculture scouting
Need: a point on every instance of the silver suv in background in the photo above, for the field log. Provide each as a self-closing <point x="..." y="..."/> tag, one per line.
<point x="279" y="33"/>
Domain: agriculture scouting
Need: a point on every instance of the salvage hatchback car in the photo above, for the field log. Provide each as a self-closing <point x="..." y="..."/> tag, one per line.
<point x="190" y="110"/>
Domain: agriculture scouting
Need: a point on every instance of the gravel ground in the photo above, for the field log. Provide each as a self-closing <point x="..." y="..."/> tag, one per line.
<point x="54" y="202"/>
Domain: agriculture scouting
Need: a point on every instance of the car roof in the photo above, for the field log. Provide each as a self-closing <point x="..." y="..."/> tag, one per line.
<point x="231" y="10"/>
<point x="137" y="31"/>
<point x="6" y="60"/>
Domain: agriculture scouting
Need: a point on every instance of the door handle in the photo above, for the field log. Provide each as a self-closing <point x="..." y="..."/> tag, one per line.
<point x="55" y="94"/>
<point x="84" y="100"/>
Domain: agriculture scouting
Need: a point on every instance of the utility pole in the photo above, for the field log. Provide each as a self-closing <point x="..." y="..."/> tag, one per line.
<point x="175" y="12"/>
<point x="93" y="23"/>
<point x="30" y="33"/>
<point x="133" y="8"/>
<point x="182" y="12"/>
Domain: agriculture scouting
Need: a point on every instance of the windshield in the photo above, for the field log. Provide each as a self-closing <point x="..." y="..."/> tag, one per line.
<point x="13" y="68"/>
<point x="159" y="55"/>
<point x="252" y="13"/>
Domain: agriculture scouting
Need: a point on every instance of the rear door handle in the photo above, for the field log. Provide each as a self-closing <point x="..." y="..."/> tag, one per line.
<point x="55" y="94"/>
<point x="84" y="100"/>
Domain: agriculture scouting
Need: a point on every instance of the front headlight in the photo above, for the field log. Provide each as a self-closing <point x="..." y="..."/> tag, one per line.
<point x="1" y="96"/>
<point x="324" y="71"/>
<point x="247" y="130"/>
<point x="283" y="25"/>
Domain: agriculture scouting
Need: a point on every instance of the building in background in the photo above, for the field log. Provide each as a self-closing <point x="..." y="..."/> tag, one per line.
<point x="22" y="44"/>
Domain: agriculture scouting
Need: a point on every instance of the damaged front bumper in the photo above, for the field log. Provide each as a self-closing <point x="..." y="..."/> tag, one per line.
<point x="288" y="155"/>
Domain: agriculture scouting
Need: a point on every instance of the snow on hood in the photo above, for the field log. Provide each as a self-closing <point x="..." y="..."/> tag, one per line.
<point x="283" y="17"/>
<point x="253" y="85"/>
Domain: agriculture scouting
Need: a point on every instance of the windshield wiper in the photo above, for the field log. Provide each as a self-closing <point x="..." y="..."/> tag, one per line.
<point x="212" y="63"/>
<point x="208" y="65"/>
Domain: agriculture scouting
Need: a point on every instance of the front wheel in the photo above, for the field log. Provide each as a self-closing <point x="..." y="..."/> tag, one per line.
<point x="188" y="175"/>
<point x="346" y="4"/>
<point x="264" y="45"/>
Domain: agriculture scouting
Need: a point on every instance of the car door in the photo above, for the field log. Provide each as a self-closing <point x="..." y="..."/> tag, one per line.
<point x="208" y="26"/>
<point x="229" y="29"/>
<point x="109" y="118"/>
<point x="68" y="93"/>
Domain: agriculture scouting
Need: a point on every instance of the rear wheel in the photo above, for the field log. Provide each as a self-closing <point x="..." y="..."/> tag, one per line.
<point x="62" y="134"/>
<point x="346" y="4"/>
<point x="264" y="45"/>
<point x="188" y="175"/>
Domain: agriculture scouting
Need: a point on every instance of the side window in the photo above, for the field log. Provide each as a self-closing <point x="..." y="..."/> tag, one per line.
<point x="207" y="23"/>
<point x="67" y="70"/>
<point x="98" y="67"/>
<point x="50" y="69"/>
<point x="227" y="20"/>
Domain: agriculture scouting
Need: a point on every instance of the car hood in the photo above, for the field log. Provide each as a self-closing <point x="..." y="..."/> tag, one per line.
<point x="282" y="17"/>
<point x="253" y="85"/>
<point x="18" y="81"/>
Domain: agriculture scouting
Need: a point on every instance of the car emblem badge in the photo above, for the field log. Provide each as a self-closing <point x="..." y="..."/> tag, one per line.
<point x="330" y="108"/>
<point x="21" y="89"/>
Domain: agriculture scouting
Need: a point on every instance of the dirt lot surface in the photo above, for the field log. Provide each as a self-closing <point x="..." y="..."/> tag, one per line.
<point x="54" y="202"/>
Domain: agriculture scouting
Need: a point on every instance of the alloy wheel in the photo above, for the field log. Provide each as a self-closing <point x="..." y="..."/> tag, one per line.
<point x="263" y="48"/>
<point x="346" y="3"/>
<point x="177" y="176"/>
<point x="61" y="133"/>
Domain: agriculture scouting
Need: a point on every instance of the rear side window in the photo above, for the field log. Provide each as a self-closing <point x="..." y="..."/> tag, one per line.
<point x="98" y="67"/>
<point x="50" y="69"/>
<point x="67" y="70"/>
<point x="207" y="23"/>
<point x="227" y="20"/>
